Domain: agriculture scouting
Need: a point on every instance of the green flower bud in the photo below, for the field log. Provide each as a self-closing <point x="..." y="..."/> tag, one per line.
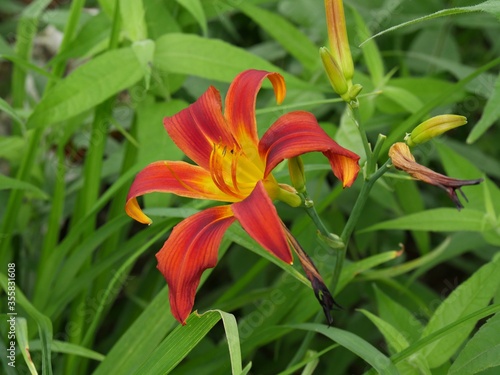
<point x="297" y="176"/>
<point x="433" y="127"/>
<point x="334" y="73"/>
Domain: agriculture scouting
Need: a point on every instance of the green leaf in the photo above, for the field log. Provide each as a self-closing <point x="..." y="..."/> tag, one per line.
<point x="437" y="220"/>
<point x="490" y="6"/>
<point x="22" y="340"/>
<point x="88" y="86"/>
<point x="196" y="9"/>
<point x="404" y="98"/>
<point x="491" y="114"/>
<point x="396" y="340"/>
<point x="5" y="107"/>
<point x="140" y="339"/>
<point x="132" y="13"/>
<point x="233" y="341"/>
<point x="43" y="322"/>
<point x="355" y="344"/>
<point x="210" y="58"/>
<point x="352" y="269"/>
<point x="7" y="183"/>
<point x="393" y="337"/>
<point x="179" y="343"/>
<point x="69" y="348"/>
<point x="470" y="296"/>
<point x="284" y="33"/>
<point x="481" y="352"/>
<point x="402" y="319"/>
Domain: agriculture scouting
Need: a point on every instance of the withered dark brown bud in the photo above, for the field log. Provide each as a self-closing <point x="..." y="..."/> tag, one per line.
<point x="403" y="159"/>
<point x="321" y="291"/>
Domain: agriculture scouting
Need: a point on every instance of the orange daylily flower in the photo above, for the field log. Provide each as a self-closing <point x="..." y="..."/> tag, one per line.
<point x="233" y="166"/>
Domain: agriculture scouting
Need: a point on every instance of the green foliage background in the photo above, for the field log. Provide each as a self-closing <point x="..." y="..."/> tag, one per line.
<point x="79" y="119"/>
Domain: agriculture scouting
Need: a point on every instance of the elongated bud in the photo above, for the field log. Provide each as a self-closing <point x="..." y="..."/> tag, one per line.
<point x="288" y="195"/>
<point x="297" y="176"/>
<point x="434" y="127"/>
<point x="334" y="73"/>
<point x="337" y="35"/>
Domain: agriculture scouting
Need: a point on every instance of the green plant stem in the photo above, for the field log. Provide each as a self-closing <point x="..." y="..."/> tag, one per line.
<point x="354" y="218"/>
<point x="313" y="214"/>
<point x="354" y="114"/>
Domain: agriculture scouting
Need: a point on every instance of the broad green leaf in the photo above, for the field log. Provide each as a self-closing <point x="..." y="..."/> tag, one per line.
<point x="350" y="270"/>
<point x="22" y="340"/>
<point x="491" y="115"/>
<point x="210" y="58"/>
<point x="470" y="296"/>
<point x="403" y="98"/>
<point x="481" y="352"/>
<point x="179" y="343"/>
<point x="444" y="332"/>
<point x="438" y="220"/>
<point x="133" y="21"/>
<point x="355" y="344"/>
<point x="196" y="9"/>
<point x="7" y="183"/>
<point x="88" y="86"/>
<point x="284" y="33"/>
<point x="43" y="322"/>
<point x="399" y="317"/>
<point x="398" y="342"/>
<point x="394" y="338"/>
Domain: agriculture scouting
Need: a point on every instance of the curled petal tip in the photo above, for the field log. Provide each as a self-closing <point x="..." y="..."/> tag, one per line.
<point x="133" y="210"/>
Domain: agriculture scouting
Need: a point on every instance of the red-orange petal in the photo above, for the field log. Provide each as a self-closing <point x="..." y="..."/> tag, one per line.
<point x="191" y="248"/>
<point x="258" y="216"/>
<point x="297" y="133"/>
<point x="174" y="177"/>
<point x="198" y="127"/>
<point x="240" y="102"/>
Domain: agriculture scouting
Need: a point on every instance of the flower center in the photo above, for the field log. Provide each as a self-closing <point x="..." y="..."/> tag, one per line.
<point x="236" y="171"/>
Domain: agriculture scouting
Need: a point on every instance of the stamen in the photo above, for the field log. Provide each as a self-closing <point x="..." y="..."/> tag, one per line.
<point x="217" y="171"/>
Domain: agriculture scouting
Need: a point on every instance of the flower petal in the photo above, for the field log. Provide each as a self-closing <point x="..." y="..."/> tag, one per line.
<point x="298" y="132"/>
<point x="191" y="248"/>
<point x="175" y="177"/>
<point x="258" y="216"/>
<point x="240" y="103"/>
<point x="197" y="128"/>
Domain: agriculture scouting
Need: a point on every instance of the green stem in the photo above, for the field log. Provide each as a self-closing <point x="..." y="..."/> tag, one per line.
<point x="313" y="214"/>
<point x="354" y="218"/>
<point x="354" y="114"/>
